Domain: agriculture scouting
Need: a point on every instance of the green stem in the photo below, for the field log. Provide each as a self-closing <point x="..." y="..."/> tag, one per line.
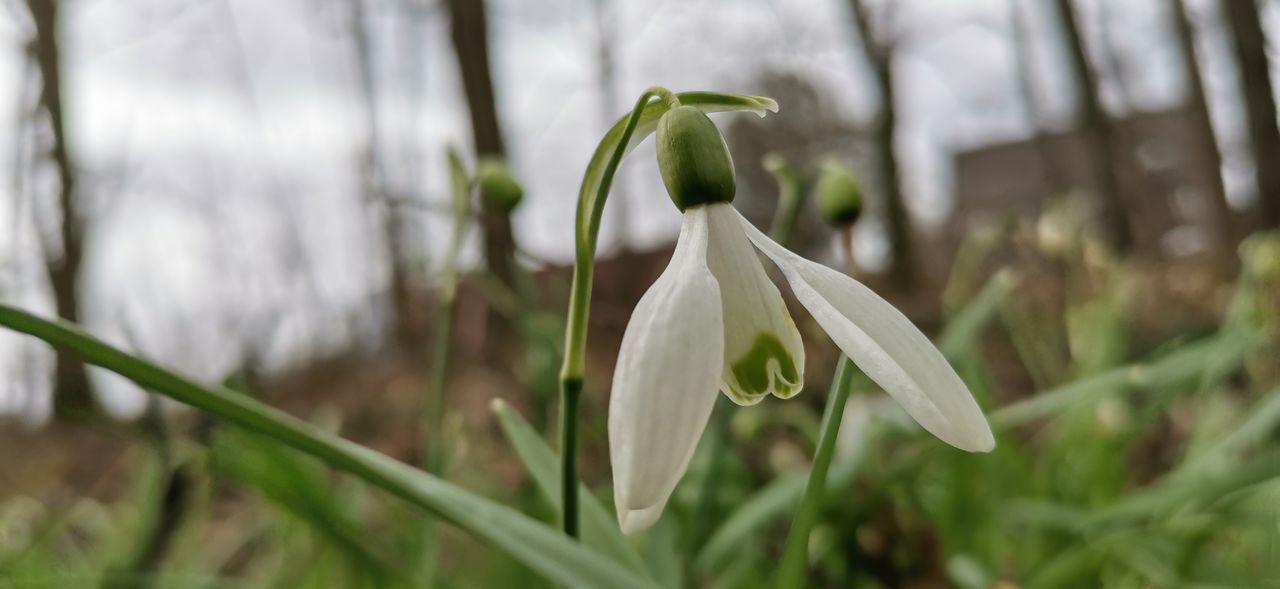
<point x="573" y="370"/>
<point x="795" y="557"/>
<point x="590" y="210"/>
<point x="433" y="459"/>
<point x="572" y="393"/>
<point x="433" y="454"/>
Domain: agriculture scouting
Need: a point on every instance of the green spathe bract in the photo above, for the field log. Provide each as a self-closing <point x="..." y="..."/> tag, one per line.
<point x="838" y="197"/>
<point x="752" y="369"/>
<point x="694" y="161"/>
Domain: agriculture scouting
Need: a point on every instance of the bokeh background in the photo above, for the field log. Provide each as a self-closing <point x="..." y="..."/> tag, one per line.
<point x="260" y="191"/>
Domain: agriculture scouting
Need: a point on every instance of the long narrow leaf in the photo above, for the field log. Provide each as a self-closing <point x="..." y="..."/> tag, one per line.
<point x="1181" y="367"/>
<point x="966" y="325"/>
<point x="1175" y="491"/>
<point x="298" y="487"/>
<point x="525" y="539"/>
<point x="1262" y="420"/>
<point x="757" y="511"/>
<point x="599" y="529"/>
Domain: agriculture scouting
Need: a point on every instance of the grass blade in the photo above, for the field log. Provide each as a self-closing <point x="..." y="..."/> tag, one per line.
<point x="1186" y="365"/>
<point x="599" y="528"/>
<point x="297" y="486"/>
<point x="532" y="543"/>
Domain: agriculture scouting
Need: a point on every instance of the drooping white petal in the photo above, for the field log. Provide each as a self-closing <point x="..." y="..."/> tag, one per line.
<point x="886" y="346"/>
<point x="763" y="353"/>
<point x="665" y="383"/>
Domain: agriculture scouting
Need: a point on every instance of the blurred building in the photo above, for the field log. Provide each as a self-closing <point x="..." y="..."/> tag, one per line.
<point x="1163" y="177"/>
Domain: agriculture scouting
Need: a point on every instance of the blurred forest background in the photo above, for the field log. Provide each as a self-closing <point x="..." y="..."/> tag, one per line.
<point x="259" y="191"/>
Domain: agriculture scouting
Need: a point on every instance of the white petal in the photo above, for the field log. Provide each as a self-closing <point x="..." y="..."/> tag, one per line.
<point x="886" y="346"/>
<point x="665" y="383"/>
<point x="763" y="353"/>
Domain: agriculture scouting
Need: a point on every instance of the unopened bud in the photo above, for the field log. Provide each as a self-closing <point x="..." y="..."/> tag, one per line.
<point x="497" y="186"/>
<point x="694" y="161"/>
<point x="838" y="196"/>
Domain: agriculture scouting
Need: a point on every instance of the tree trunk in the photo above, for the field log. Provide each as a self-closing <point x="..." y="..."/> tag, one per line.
<point x="1110" y="62"/>
<point x="1219" y="222"/>
<point x="406" y="304"/>
<point x="1259" y="104"/>
<point x="1051" y="174"/>
<point x="471" y="45"/>
<point x="880" y="56"/>
<point x="71" y="383"/>
<point x="1099" y="134"/>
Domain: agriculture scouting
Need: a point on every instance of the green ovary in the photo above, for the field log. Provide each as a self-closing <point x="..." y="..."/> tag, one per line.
<point x="752" y="371"/>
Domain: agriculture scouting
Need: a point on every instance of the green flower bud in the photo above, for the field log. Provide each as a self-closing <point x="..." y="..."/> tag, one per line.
<point x="694" y="161"/>
<point x="1261" y="255"/>
<point x="838" y="196"/>
<point x="497" y="186"/>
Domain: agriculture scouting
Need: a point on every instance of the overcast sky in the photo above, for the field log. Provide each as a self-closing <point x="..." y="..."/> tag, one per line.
<point x="213" y="135"/>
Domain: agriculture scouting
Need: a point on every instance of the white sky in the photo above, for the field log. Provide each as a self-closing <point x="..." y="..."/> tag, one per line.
<point x="213" y="135"/>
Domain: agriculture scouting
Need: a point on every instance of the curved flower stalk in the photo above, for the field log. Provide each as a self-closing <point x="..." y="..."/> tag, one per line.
<point x="435" y="453"/>
<point x="714" y="321"/>
<point x="624" y="136"/>
<point x="460" y="183"/>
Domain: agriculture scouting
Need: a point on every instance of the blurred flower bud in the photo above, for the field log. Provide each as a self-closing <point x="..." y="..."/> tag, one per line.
<point x="694" y="161"/>
<point x="776" y="164"/>
<point x="1261" y="255"/>
<point x="791" y="192"/>
<point x="838" y="196"/>
<point x="497" y="186"/>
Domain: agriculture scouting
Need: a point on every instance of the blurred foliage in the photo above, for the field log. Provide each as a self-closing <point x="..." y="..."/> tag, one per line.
<point x="1133" y="465"/>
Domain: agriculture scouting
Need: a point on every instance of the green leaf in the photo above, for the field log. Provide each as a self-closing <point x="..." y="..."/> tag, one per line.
<point x="967" y="324"/>
<point x="662" y="553"/>
<point x="298" y="486"/>
<point x="532" y="543"/>
<point x="599" y="528"/>
<point x="1262" y="420"/>
<point x="756" y="512"/>
<point x="1173" y="492"/>
<point x="1179" y="368"/>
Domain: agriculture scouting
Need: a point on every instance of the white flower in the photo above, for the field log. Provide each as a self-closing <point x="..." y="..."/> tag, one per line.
<point x="713" y="321"/>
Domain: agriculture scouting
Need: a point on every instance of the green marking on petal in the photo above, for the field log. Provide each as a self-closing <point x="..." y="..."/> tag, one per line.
<point x="753" y="372"/>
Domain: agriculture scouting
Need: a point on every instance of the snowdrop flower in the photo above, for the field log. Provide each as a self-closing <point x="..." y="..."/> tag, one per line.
<point x="713" y="321"/>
